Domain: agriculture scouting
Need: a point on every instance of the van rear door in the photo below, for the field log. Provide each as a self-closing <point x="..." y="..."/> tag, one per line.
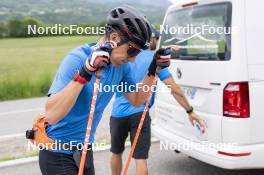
<point x="202" y="67"/>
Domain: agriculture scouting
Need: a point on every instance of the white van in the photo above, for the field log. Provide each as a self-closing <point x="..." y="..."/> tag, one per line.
<point x="222" y="75"/>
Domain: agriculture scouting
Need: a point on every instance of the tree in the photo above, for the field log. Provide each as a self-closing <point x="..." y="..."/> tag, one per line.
<point x="15" y="28"/>
<point x="3" y="30"/>
<point x="29" y="21"/>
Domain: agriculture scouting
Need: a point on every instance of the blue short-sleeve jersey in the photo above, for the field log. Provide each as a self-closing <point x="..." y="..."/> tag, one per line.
<point x="72" y="127"/>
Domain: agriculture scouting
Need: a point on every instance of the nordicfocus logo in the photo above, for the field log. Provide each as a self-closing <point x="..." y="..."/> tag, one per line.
<point x="59" y="29"/>
<point x="57" y="145"/>
<point x="125" y="87"/>
<point x="194" y="30"/>
<point x="189" y="146"/>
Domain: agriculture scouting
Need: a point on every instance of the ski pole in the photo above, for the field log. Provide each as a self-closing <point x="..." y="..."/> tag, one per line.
<point x="169" y="50"/>
<point x="90" y="122"/>
<point x="139" y="127"/>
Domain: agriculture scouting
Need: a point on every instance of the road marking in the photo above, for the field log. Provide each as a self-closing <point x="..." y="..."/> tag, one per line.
<point x="11" y="136"/>
<point x="18" y="162"/>
<point x="21" y="111"/>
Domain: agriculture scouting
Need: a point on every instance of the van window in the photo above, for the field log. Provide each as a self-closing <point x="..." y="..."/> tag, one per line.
<point x="203" y="32"/>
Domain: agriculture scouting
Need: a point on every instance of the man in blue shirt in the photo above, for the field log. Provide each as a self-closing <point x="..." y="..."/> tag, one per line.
<point x="70" y="94"/>
<point x="125" y="118"/>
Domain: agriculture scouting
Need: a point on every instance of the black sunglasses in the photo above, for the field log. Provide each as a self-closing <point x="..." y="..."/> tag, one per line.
<point x="132" y="51"/>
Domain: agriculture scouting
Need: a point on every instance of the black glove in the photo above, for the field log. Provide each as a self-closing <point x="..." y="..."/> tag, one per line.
<point x="162" y="59"/>
<point x="100" y="59"/>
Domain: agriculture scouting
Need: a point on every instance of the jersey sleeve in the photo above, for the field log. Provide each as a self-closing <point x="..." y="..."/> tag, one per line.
<point x="164" y="74"/>
<point x="70" y="64"/>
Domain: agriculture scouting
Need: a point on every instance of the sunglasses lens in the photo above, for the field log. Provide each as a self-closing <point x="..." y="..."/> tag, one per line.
<point x="132" y="52"/>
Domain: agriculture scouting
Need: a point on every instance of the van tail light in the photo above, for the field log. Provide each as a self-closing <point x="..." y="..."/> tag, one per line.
<point x="236" y="100"/>
<point x="190" y="4"/>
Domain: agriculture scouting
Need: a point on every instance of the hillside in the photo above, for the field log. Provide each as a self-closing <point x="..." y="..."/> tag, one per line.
<point x="77" y="11"/>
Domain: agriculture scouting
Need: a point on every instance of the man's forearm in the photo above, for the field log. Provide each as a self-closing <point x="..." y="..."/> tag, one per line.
<point x="138" y="97"/>
<point x="182" y="100"/>
<point x="177" y="93"/>
<point x="59" y="105"/>
<point x="143" y="89"/>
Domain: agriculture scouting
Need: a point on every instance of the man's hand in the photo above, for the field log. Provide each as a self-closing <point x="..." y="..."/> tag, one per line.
<point x="39" y="117"/>
<point x="193" y="117"/>
<point x="100" y="59"/>
<point x="160" y="59"/>
<point x="163" y="57"/>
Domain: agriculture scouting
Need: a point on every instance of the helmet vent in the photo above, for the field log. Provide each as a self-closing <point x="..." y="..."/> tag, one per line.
<point x="114" y="14"/>
<point x="140" y="24"/>
<point x="121" y="11"/>
<point x="130" y="25"/>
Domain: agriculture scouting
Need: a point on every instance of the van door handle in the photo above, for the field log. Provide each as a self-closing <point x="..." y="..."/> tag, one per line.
<point x="215" y="84"/>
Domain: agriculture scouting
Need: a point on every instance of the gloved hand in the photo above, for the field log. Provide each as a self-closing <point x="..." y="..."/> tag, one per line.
<point x="161" y="59"/>
<point x="100" y="59"/>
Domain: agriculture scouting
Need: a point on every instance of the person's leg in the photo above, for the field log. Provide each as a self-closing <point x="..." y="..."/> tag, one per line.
<point x="144" y="141"/>
<point x="119" y="132"/>
<point x="116" y="164"/>
<point x="56" y="163"/>
<point x="141" y="167"/>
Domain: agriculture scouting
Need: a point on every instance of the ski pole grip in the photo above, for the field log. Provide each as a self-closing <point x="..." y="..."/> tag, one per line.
<point x="99" y="73"/>
<point x="30" y="134"/>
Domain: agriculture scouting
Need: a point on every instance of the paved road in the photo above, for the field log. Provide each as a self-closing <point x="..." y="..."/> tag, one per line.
<point x="17" y="116"/>
<point x="160" y="163"/>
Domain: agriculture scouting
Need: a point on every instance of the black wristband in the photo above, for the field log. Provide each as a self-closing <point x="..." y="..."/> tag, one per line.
<point x="152" y="68"/>
<point x="85" y="73"/>
<point x="189" y="111"/>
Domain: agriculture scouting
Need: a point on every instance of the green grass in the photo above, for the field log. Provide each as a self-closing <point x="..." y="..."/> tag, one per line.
<point x="7" y="158"/>
<point x="28" y="65"/>
<point x="30" y="154"/>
